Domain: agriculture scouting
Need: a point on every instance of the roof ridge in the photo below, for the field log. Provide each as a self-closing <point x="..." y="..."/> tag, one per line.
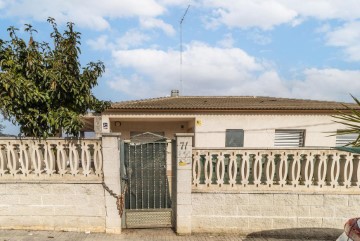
<point x="220" y="97"/>
<point x="230" y="103"/>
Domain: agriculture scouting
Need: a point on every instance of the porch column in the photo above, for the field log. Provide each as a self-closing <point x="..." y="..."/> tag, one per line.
<point x="183" y="178"/>
<point x="111" y="169"/>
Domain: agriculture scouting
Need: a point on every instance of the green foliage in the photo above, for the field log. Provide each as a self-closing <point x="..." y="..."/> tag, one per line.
<point x="44" y="88"/>
<point x="351" y="119"/>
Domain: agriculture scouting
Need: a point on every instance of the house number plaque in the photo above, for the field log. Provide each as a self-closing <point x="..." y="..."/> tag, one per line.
<point x="184" y="153"/>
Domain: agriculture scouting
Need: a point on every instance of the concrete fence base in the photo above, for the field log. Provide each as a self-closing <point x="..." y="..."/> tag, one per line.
<point x="247" y="213"/>
<point x="68" y="207"/>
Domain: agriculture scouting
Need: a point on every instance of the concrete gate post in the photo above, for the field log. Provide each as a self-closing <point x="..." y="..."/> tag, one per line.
<point x="183" y="179"/>
<point x="111" y="169"/>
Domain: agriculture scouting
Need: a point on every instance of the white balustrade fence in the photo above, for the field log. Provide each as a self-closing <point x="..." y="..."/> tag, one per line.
<point x="274" y="168"/>
<point x="51" y="157"/>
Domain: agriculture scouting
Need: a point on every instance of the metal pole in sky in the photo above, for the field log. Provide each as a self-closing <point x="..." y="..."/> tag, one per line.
<point x="181" y="48"/>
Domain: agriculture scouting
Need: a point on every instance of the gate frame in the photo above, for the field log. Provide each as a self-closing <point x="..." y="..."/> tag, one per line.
<point x="168" y="161"/>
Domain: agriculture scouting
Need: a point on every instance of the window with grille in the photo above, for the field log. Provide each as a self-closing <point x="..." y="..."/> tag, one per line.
<point x="234" y="138"/>
<point x="343" y="140"/>
<point x="289" y="138"/>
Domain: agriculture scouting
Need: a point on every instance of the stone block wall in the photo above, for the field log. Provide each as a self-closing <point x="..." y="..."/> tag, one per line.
<point x="253" y="212"/>
<point x="49" y="206"/>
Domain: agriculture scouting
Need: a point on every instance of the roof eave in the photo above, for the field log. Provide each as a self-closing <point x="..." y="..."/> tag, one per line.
<point x="329" y="111"/>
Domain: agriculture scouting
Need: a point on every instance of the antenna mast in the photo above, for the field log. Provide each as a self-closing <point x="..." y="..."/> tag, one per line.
<point x="181" y="47"/>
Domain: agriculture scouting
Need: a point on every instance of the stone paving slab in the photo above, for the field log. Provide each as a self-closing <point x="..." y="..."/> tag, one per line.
<point x="129" y="235"/>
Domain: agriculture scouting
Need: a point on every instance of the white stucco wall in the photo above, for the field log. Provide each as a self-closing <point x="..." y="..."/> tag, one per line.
<point x="259" y="130"/>
<point x="209" y="128"/>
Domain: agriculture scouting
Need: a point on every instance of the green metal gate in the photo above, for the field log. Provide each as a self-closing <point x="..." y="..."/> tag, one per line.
<point x="147" y="202"/>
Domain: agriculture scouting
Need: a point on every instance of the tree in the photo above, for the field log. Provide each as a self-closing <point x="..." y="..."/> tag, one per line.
<point x="43" y="87"/>
<point x="351" y="119"/>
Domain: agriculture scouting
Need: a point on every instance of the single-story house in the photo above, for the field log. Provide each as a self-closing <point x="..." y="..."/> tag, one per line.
<point x="215" y="170"/>
<point x="227" y="121"/>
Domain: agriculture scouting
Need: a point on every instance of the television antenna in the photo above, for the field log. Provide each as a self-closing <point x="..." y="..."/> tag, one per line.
<point x="181" y="47"/>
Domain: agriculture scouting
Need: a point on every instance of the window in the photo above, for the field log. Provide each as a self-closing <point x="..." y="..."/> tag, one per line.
<point x="289" y="138"/>
<point x="343" y="140"/>
<point x="234" y="138"/>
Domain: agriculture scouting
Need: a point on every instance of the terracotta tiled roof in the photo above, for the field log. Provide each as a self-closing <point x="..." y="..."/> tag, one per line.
<point x="229" y="103"/>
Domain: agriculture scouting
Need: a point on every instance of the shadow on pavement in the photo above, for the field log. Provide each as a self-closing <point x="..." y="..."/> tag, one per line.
<point x="298" y="233"/>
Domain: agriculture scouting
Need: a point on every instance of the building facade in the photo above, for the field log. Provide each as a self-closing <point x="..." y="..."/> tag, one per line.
<point x="237" y="121"/>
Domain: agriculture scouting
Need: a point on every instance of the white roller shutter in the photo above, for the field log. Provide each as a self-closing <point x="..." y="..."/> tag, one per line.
<point x="289" y="138"/>
<point x="342" y="140"/>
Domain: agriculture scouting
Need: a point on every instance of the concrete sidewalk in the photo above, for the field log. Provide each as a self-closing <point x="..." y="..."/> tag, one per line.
<point x="129" y="235"/>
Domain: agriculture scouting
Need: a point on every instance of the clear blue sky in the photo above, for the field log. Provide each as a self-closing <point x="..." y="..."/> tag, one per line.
<point x="287" y="48"/>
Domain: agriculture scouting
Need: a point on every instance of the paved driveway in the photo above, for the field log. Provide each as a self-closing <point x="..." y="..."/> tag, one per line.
<point x="128" y="235"/>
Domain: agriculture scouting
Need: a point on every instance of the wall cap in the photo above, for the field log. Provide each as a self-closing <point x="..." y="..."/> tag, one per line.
<point x="184" y="134"/>
<point x="110" y="134"/>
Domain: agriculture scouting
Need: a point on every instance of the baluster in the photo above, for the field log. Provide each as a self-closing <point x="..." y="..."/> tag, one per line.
<point x="98" y="161"/>
<point x="257" y="169"/>
<point x="354" y="179"/>
<point x="49" y="159"/>
<point x="245" y="169"/>
<point x="316" y="158"/>
<point x="61" y="159"/>
<point x="348" y="170"/>
<point x="357" y="176"/>
<point x="36" y="158"/>
<point x="335" y="170"/>
<point x="220" y="169"/>
<point x="3" y="160"/>
<point x="73" y="159"/>
<point x="295" y="166"/>
<point x="309" y="170"/>
<point x="12" y="158"/>
<point x="208" y="168"/>
<point x="24" y="159"/>
<point x="322" y="170"/>
<point x="282" y="169"/>
<point x="270" y="169"/>
<point x="85" y="159"/>
<point x="196" y="170"/>
<point x="232" y="170"/>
